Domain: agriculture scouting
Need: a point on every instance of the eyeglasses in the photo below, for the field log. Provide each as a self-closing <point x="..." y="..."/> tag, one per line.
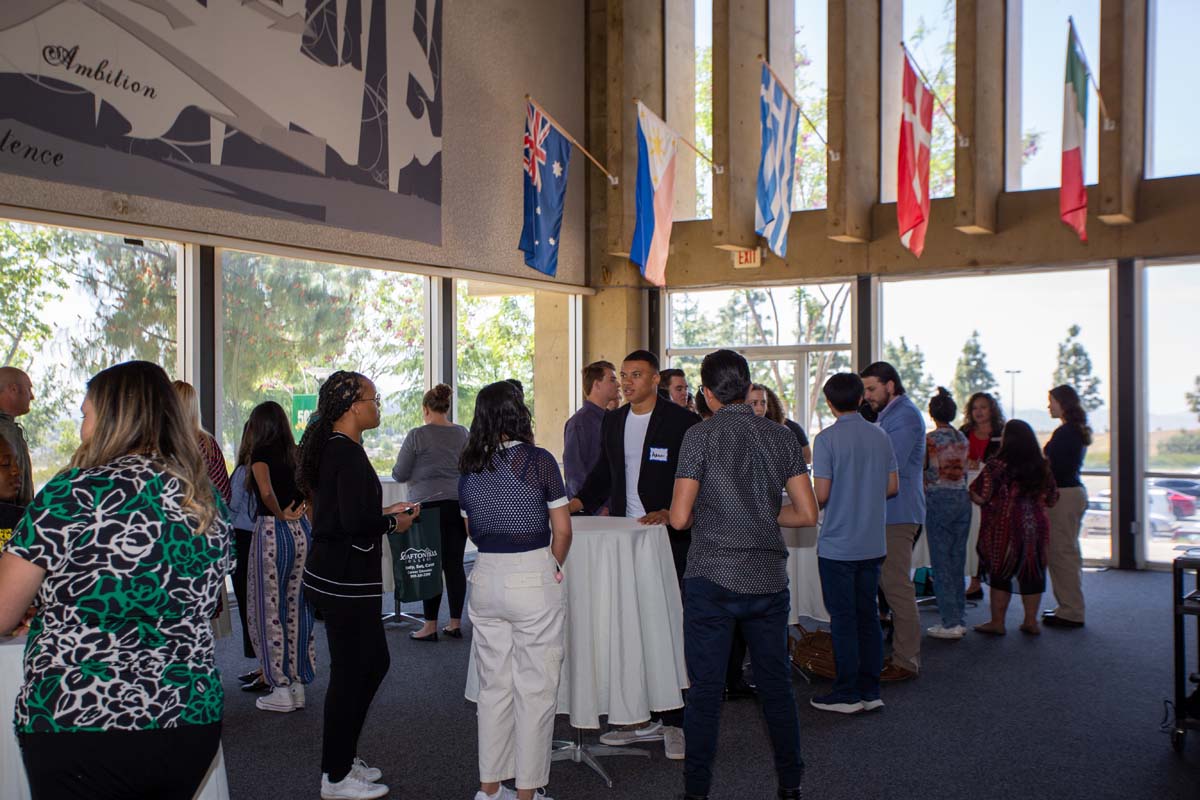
<point x="377" y="400"/>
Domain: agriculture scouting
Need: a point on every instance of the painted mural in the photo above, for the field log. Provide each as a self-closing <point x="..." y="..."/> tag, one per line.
<point x="322" y="111"/>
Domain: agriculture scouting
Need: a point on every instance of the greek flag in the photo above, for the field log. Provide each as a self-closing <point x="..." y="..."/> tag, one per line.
<point x="777" y="170"/>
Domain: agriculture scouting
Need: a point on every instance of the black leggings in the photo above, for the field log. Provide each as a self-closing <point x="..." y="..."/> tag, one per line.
<point x="164" y="764"/>
<point x="358" y="661"/>
<point x="454" y="543"/>
<point x="241" y="549"/>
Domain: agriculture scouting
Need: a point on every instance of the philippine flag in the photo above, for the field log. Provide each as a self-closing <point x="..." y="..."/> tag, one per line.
<point x="655" y="196"/>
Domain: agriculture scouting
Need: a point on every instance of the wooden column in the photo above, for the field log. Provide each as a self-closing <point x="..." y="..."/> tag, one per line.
<point x="853" y="153"/>
<point x="1123" y="82"/>
<point x="739" y="36"/>
<point x="979" y="105"/>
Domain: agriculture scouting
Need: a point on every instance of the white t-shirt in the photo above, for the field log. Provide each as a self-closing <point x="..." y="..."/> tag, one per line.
<point x="635" y="440"/>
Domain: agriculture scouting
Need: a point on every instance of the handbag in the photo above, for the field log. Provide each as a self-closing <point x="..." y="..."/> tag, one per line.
<point x="812" y="651"/>
<point x="417" y="558"/>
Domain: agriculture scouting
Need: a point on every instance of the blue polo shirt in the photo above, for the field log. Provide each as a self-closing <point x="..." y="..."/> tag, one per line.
<point x="857" y="458"/>
<point x="901" y="420"/>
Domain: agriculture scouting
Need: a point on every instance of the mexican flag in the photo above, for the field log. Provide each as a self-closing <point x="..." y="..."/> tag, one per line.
<point x="1072" y="197"/>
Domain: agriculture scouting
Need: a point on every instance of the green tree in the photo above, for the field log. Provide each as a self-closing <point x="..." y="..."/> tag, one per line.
<point x="941" y="77"/>
<point x="1193" y="398"/>
<point x="495" y="342"/>
<point x="704" y="131"/>
<point x="810" y="189"/>
<point x="1075" y="370"/>
<point x="971" y="373"/>
<point x="910" y="363"/>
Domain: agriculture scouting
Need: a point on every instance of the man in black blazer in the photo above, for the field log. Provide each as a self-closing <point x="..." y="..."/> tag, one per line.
<point x="639" y="450"/>
<point x="654" y="426"/>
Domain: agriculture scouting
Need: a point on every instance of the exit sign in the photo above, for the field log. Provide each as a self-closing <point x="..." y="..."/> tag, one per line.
<point x="747" y="259"/>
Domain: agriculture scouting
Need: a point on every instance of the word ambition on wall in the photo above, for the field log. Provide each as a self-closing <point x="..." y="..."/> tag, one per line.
<point x="57" y="55"/>
<point x="10" y="145"/>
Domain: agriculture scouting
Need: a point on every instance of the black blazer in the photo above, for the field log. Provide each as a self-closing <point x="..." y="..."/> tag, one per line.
<point x="656" y="482"/>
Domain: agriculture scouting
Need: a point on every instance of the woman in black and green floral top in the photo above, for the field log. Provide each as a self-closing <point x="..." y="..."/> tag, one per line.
<point x="125" y="553"/>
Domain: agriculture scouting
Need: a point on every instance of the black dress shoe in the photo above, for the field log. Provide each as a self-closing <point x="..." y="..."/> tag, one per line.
<point x="250" y="676"/>
<point x="1053" y="620"/>
<point x="975" y="595"/>
<point x="453" y="633"/>
<point x="740" y="691"/>
<point x="257" y="687"/>
<point x="789" y="794"/>
<point x="430" y="638"/>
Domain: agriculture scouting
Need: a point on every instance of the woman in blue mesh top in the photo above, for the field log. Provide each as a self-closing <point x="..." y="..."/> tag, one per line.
<point x="513" y="499"/>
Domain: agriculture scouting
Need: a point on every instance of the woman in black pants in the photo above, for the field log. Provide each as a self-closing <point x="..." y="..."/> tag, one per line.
<point x="428" y="463"/>
<point x="343" y="576"/>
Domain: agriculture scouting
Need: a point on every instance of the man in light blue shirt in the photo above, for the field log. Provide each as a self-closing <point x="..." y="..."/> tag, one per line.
<point x="902" y="421"/>
<point x="855" y="472"/>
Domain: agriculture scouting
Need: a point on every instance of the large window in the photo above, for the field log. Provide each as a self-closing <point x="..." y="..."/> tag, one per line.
<point x="1014" y="336"/>
<point x="1037" y="40"/>
<point x="1172" y="64"/>
<point x="1172" y="392"/>
<point x="812" y="92"/>
<point x="72" y="304"/>
<point x="793" y="336"/>
<point x="689" y="111"/>
<point x="288" y="324"/>
<point x="929" y="27"/>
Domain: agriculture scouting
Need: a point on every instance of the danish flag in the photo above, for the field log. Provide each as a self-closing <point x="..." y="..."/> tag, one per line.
<point x="912" y="190"/>
<point x="537" y="128"/>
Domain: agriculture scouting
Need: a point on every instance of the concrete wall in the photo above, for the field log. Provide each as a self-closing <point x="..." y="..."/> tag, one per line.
<point x="494" y="53"/>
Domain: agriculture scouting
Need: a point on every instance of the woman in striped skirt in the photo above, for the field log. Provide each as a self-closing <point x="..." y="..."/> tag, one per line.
<point x="279" y="618"/>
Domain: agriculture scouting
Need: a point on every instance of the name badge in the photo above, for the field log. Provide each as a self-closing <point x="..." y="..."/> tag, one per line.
<point x="658" y="454"/>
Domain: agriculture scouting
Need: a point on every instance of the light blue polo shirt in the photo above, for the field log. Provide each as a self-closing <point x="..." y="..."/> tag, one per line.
<point x="857" y="457"/>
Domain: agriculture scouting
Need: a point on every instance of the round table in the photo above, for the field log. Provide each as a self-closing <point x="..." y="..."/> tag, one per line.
<point x="624" y="650"/>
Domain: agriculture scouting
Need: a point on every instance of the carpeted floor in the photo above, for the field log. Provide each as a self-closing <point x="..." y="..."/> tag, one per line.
<point x="1071" y="714"/>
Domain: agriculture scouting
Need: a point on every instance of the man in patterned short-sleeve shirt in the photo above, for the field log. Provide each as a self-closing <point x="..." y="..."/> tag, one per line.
<point x="733" y="469"/>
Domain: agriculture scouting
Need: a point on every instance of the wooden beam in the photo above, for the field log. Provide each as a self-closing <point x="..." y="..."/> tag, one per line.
<point x="1123" y="82"/>
<point x="739" y="36"/>
<point x="853" y="153"/>
<point x="979" y="105"/>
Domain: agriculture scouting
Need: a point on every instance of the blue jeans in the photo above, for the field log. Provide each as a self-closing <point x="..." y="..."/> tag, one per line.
<point x="947" y="524"/>
<point x="849" y="589"/>
<point x="710" y="613"/>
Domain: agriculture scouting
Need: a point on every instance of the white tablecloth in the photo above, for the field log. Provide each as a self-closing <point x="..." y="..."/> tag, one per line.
<point x="624" y="625"/>
<point x="13" y="783"/>
<point x="804" y="579"/>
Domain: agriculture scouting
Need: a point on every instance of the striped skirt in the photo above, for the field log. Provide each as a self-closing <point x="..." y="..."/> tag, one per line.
<point x="279" y="617"/>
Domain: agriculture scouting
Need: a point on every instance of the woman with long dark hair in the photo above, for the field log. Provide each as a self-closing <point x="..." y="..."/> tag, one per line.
<point x="344" y="577"/>
<point x="1065" y="451"/>
<point x="243" y="511"/>
<point x="982" y="423"/>
<point x="1014" y="491"/>
<point x="428" y="463"/>
<point x="279" y="618"/>
<point x="513" y="498"/>
<point x="126" y="552"/>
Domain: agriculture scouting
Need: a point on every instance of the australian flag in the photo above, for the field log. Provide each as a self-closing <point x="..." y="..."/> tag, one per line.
<point x="547" y="155"/>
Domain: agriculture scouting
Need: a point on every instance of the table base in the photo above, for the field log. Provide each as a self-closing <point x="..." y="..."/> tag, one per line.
<point x="580" y="753"/>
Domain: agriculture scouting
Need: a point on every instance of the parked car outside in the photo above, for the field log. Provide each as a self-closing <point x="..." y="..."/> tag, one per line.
<point x="1097" y="520"/>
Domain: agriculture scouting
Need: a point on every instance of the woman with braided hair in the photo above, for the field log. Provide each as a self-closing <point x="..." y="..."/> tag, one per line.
<point x="343" y="576"/>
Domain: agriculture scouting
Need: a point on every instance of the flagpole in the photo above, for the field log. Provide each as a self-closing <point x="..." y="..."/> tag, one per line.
<point x="1088" y="67"/>
<point x="717" y="168"/>
<point x="799" y="107"/>
<point x="962" y="140"/>
<point x="612" y="179"/>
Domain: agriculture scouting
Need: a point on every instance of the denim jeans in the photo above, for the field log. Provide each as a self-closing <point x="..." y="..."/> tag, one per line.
<point x="710" y="613"/>
<point x="948" y="523"/>
<point x="849" y="589"/>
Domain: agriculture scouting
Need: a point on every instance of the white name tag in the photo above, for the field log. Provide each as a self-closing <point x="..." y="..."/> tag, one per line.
<point x="658" y="454"/>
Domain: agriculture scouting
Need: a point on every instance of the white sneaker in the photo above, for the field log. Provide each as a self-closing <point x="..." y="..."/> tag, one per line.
<point x="650" y="732"/>
<point x="504" y="793"/>
<point x="280" y="699"/>
<point x="297" y="690"/>
<point x="940" y="632"/>
<point x="673" y="745"/>
<point x="350" y="787"/>
<point x="871" y="705"/>
<point x="368" y="774"/>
